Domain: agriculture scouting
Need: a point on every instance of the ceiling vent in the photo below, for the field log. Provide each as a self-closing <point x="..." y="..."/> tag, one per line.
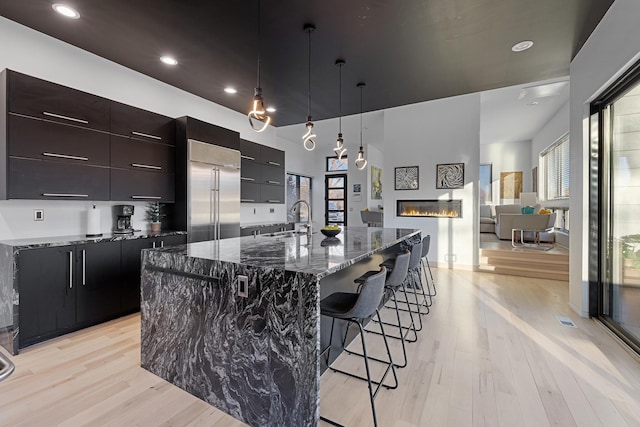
<point x="533" y="95"/>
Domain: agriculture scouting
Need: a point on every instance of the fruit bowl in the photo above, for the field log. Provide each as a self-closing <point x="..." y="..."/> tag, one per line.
<point x="330" y="232"/>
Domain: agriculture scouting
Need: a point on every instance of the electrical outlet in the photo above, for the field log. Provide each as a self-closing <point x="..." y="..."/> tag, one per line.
<point x="38" y="215"/>
<point x="272" y="210"/>
<point x="450" y="257"/>
<point x="243" y="286"/>
<point x="254" y="211"/>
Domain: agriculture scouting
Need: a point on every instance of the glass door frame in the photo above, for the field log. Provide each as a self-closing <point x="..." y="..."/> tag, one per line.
<point x="600" y="215"/>
<point x="327" y="200"/>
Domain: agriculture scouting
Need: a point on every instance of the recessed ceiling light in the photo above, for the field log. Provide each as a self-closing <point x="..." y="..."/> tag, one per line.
<point x="169" y="60"/>
<point x="65" y="10"/>
<point x="271" y="109"/>
<point x="231" y="90"/>
<point x="523" y="45"/>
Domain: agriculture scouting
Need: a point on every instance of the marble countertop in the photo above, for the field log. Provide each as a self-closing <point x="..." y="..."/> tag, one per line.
<point x="320" y="257"/>
<point x="42" y="242"/>
<point x="266" y="225"/>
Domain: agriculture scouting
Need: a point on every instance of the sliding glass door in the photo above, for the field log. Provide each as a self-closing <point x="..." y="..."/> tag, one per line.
<point x="617" y="124"/>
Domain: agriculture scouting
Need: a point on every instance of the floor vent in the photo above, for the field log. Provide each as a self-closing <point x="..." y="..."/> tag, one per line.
<point x="565" y="321"/>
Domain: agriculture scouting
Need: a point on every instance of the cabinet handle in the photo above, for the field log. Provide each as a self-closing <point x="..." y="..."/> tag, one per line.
<point x="140" y="165"/>
<point x="274" y="163"/>
<point x="147" y="197"/>
<point x="146" y="135"/>
<point x="64" y="195"/>
<point x="242" y="178"/>
<point x="162" y="243"/>
<point x="247" y="200"/>
<point x="65" y="156"/>
<point x="70" y="269"/>
<point x="247" y="157"/>
<point x="153" y="244"/>
<point x="58" y="116"/>
<point x="84" y="264"/>
<point x="273" y="182"/>
<point x="274" y="201"/>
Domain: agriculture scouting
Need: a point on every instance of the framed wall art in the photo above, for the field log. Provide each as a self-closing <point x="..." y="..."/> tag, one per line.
<point x="407" y="178"/>
<point x="376" y="183"/>
<point x="450" y="175"/>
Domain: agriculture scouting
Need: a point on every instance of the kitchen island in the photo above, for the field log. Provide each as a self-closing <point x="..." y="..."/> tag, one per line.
<point x="253" y="351"/>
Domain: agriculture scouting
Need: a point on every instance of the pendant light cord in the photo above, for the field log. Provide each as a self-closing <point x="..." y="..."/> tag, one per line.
<point x="362" y="86"/>
<point x="340" y="99"/>
<point x="309" y="82"/>
<point x="259" y="40"/>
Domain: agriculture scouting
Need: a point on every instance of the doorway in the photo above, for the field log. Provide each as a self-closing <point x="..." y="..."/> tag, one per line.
<point x="335" y="197"/>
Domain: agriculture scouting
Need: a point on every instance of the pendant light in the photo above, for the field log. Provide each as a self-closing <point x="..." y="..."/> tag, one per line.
<point x="308" y="139"/>
<point x="258" y="117"/>
<point x="361" y="162"/>
<point x="339" y="149"/>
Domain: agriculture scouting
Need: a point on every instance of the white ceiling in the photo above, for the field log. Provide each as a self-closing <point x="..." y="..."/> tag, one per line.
<point x="505" y="118"/>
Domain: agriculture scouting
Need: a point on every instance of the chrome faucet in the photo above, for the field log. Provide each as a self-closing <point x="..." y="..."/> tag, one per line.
<point x="293" y="209"/>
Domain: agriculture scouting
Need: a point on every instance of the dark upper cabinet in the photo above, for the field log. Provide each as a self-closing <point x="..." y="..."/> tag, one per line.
<point x="129" y="153"/>
<point x="262" y="169"/>
<point x="41" y="179"/>
<point x="132" y="185"/>
<point x="271" y="175"/>
<point x="250" y="171"/>
<point x="272" y="156"/>
<point x="37" y="139"/>
<point x="41" y="99"/>
<point x="250" y="150"/>
<point x="250" y="192"/>
<point x="206" y="132"/>
<point x="272" y="194"/>
<point x="97" y="276"/>
<point x="141" y="124"/>
<point x="47" y="291"/>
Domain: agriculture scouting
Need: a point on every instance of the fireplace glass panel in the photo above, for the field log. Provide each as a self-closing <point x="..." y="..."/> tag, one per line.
<point x="429" y="208"/>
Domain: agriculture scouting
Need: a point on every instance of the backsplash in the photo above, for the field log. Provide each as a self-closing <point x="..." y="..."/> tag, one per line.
<point x="260" y="213"/>
<point x="61" y="218"/>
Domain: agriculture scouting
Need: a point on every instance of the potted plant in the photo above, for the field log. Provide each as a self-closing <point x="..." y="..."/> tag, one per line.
<point x="154" y="215"/>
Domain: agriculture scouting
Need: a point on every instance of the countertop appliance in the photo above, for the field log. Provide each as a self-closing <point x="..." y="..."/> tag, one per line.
<point x="213" y="192"/>
<point x="122" y="215"/>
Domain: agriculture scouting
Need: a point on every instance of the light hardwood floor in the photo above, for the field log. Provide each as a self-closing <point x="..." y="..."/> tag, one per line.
<point x="491" y="354"/>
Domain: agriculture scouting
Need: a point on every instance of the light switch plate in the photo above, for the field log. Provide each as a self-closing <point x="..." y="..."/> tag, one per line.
<point x="243" y="286"/>
<point x="38" y="214"/>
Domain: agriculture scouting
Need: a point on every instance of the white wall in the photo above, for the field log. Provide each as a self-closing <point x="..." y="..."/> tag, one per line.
<point x="610" y="50"/>
<point x="512" y="156"/>
<point x="36" y="54"/>
<point x="555" y="128"/>
<point x="424" y="135"/>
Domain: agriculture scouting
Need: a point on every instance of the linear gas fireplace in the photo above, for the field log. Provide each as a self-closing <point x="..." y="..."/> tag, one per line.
<point x="430" y="208"/>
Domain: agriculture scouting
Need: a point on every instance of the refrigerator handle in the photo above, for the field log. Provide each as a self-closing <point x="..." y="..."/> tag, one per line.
<point x="218" y="205"/>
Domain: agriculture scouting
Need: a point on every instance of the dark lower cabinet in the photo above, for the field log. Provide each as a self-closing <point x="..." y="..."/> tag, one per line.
<point x="69" y="287"/>
<point x="97" y="279"/>
<point x="47" y="293"/>
<point x="131" y="264"/>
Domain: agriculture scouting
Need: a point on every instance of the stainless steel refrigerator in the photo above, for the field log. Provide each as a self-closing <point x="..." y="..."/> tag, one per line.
<point x="213" y="192"/>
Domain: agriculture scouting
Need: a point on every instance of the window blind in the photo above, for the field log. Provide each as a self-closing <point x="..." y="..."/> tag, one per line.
<point x="555" y="168"/>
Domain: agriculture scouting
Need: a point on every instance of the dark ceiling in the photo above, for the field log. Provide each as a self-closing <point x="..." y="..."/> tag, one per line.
<point x="406" y="51"/>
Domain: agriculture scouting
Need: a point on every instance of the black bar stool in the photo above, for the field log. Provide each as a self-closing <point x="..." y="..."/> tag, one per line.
<point x="425" y="260"/>
<point x="413" y="306"/>
<point x="355" y="308"/>
<point x="393" y="282"/>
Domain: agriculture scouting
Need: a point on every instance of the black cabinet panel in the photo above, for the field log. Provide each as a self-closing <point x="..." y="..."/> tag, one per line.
<point x="38" y="98"/>
<point x="141" y="124"/>
<point x="249" y="150"/>
<point x="271" y="175"/>
<point x="272" y="193"/>
<point x="130" y="185"/>
<point x="272" y="156"/>
<point x="130" y="282"/>
<point x="250" y="171"/>
<point x="249" y="192"/>
<point x="38" y="179"/>
<point x="178" y="239"/>
<point x="47" y="291"/>
<point x="38" y="139"/>
<point x="138" y="155"/>
<point x="97" y="281"/>
<point x="206" y="132"/>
